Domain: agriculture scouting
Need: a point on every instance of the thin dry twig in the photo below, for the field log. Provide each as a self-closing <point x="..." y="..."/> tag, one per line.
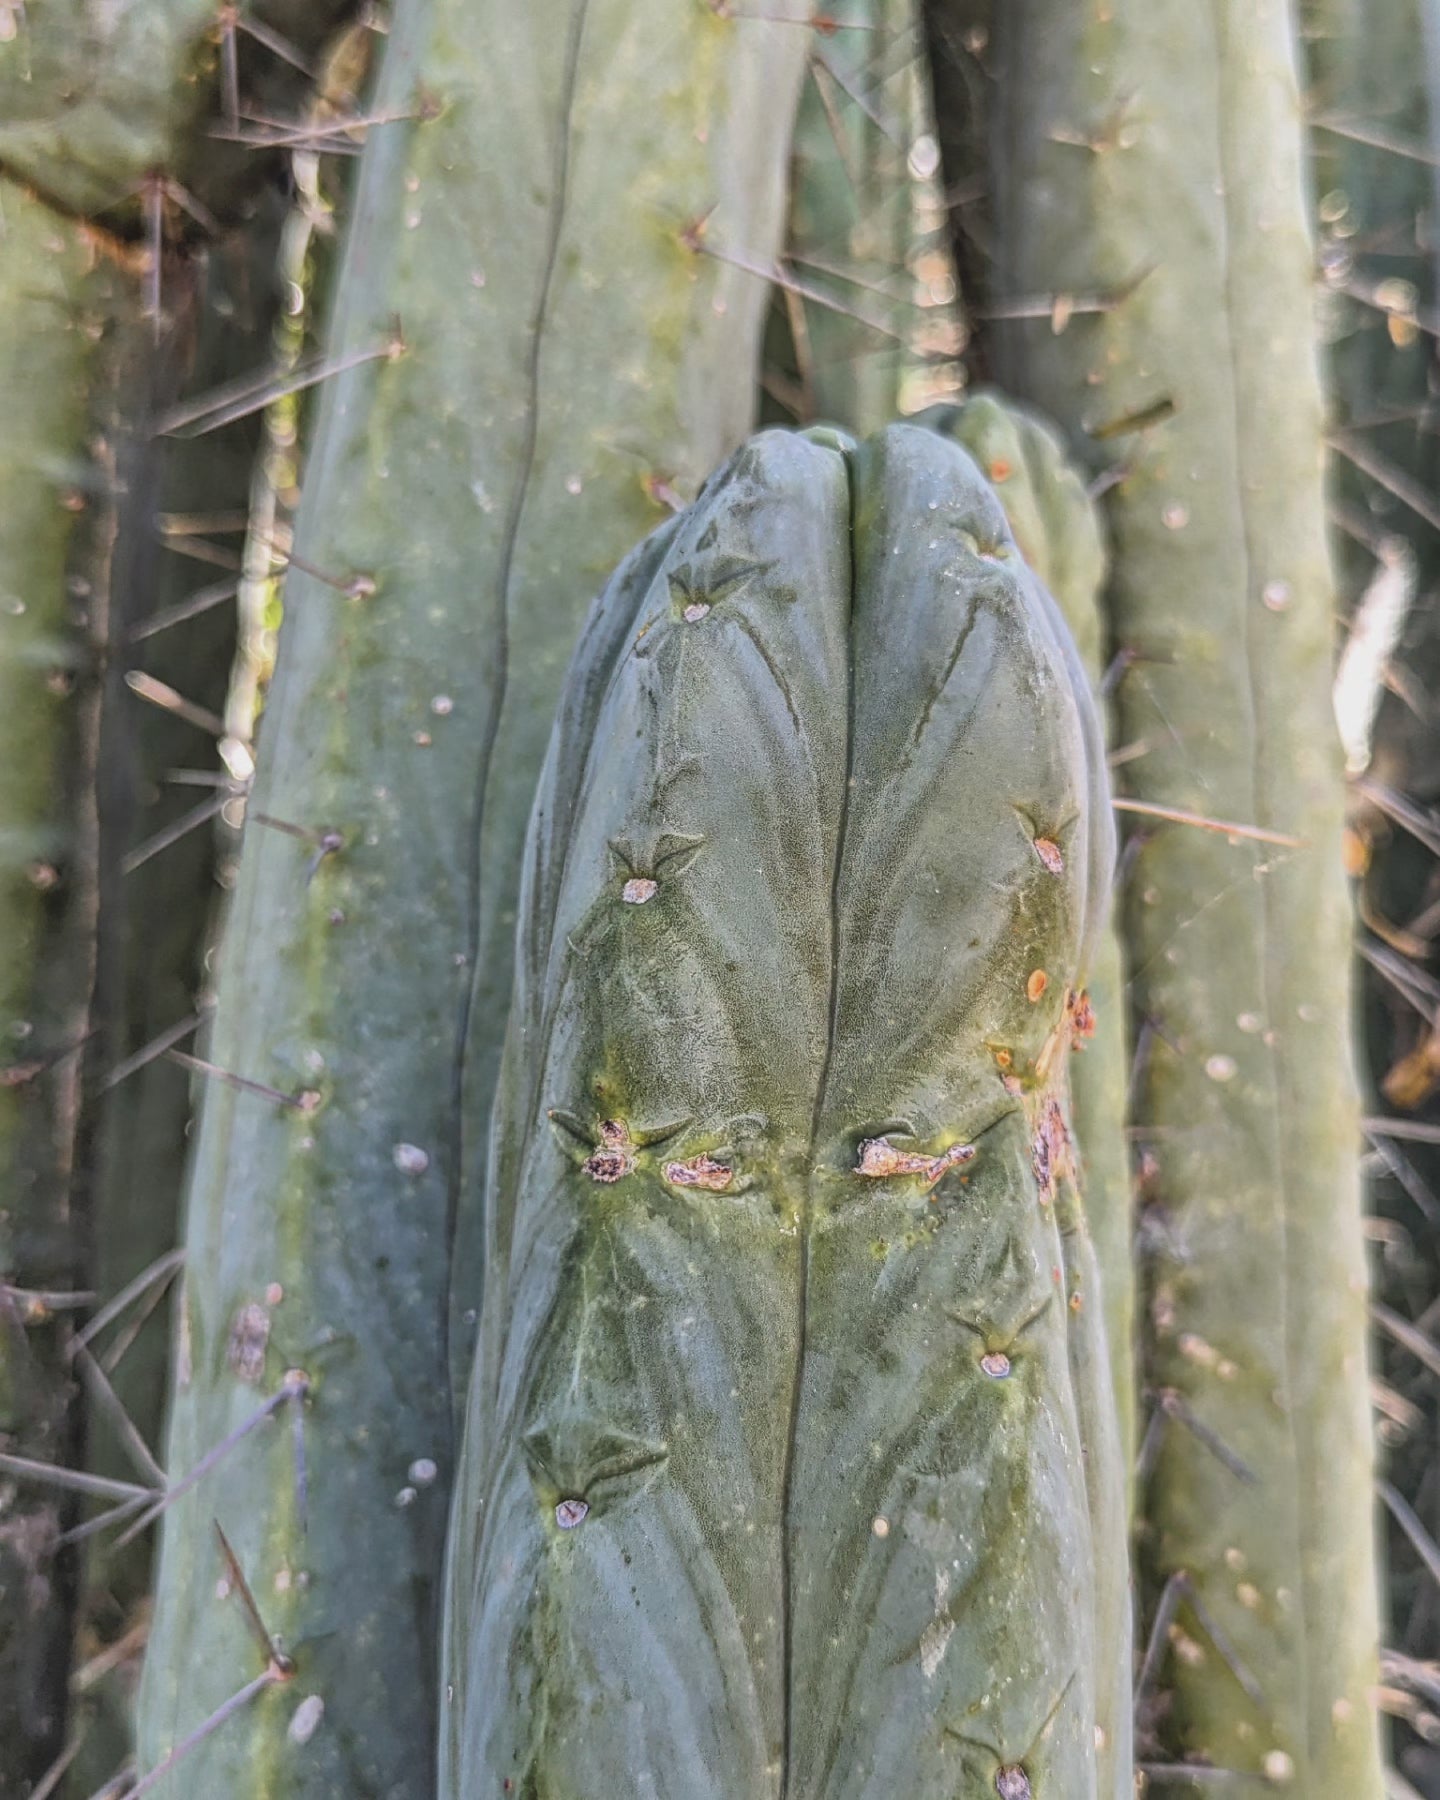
<point x="1178" y="816"/>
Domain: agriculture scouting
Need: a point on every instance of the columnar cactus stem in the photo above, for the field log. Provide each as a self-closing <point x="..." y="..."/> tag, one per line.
<point x="1148" y="157"/>
<point x="158" y="838"/>
<point x="97" y="109"/>
<point x="57" y="372"/>
<point x="543" y="251"/>
<point x="775" y="1474"/>
<point x="866" y="236"/>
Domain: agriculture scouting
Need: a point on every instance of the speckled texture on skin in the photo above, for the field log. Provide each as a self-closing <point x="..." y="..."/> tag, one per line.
<point x="832" y="1420"/>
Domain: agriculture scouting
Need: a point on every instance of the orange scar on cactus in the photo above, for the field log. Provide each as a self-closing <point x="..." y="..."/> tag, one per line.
<point x="879" y="1158"/>
<point x="1050" y="854"/>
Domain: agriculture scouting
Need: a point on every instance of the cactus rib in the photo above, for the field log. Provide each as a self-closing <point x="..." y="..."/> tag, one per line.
<point x="1057" y="528"/>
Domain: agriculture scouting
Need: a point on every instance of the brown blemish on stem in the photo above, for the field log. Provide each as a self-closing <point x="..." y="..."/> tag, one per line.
<point x="1076" y="1021"/>
<point x="879" y="1159"/>
<point x="249" y="1336"/>
<point x="1050" y="1147"/>
<point x="1036" y="985"/>
<point x="699" y="1172"/>
<point x="612" y="1159"/>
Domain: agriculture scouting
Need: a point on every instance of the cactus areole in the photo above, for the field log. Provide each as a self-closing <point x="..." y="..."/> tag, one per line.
<point x="775" y="1466"/>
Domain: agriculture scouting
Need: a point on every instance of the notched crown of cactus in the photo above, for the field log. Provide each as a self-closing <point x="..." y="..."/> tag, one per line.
<point x="787" y="1451"/>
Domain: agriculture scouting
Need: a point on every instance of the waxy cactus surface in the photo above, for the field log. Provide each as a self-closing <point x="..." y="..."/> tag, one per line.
<point x="1171" y="206"/>
<point x="775" y="1468"/>
<point x="1056" y="526"/>
<point x="540" y="355"/>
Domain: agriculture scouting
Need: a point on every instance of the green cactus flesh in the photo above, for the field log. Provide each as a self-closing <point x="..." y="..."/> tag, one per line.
<point x="94" y="100"/>
<point x="1057" y="528"/>
<point x="1150" y="154"/>
<point x="775" y="1466"/>
<point x="567" y="363"/>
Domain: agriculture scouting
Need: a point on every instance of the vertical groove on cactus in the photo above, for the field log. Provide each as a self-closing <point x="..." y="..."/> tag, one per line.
<point x="464" y="1281"/>
<point x="793" y="1503"/>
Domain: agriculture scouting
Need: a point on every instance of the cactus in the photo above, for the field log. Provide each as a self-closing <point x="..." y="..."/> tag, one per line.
<point x="1374" y="107"/>
<point x="57" y="512"/>
<point x="865" y="247"/>
<point x="1057" y="528"/>
<point x="97" y="116"/>
<point x="785" y="1401"/>
<point x="1149" y="198"/>
<point x="158" y="846"/>
<point x="532" y="362"/>
<point x="95" y="101"/>
<point x="91" y="101"/>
